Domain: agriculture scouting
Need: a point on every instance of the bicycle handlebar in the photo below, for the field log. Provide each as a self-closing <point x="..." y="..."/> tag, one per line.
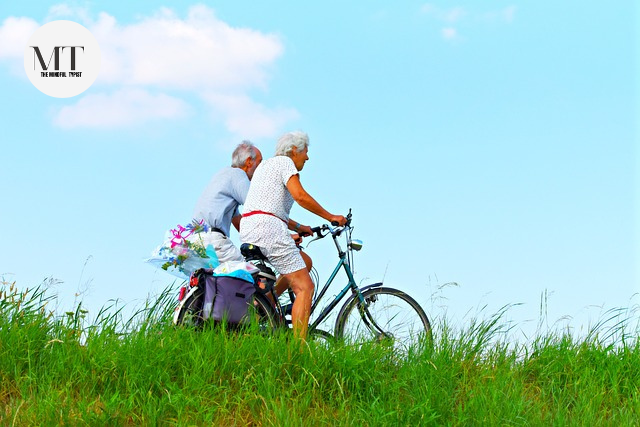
<point x="347" y="224"/>
<point x="336" y="232"/>
<point x="316" y="230"/>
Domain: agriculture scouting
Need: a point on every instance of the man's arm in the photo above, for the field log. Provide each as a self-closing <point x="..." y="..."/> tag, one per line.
<point x="240" y="190"/>
<point x="236" y="222"/>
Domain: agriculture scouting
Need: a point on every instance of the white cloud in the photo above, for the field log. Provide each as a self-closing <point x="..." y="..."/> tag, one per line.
<point x="451" y="15"/>
<point x="509" y="13"/>
<point x="454" y="15"/>
<point x="447" y="16"/>
<point x="14" y="36"/>
<point x="428" y="8"/>
<point x="502" y="15"/>
<point x="460" y="16"/>
<point x="449" y="33"/>
<point x="197" y="52"/>
<point x="126" y="107"/>
<point x="190" y="55"/>
<point x="82" y="15"/>
<point x="245" y="117"/>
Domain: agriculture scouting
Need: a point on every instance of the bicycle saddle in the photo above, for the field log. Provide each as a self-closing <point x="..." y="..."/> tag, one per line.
<point x="251" y="252"/>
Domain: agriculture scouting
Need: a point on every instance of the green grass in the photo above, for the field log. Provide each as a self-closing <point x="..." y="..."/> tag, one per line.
<point x="69" y="371"/>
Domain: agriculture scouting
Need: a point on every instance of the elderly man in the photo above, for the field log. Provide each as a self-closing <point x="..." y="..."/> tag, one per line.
<point x="218" y="204"/>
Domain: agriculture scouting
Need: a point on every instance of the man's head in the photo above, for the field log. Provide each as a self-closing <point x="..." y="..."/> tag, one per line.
<point x="246" y="157"/>
<point x="294" y="145"/>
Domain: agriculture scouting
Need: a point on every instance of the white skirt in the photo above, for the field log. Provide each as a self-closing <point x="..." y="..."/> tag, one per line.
<point x="271" y="235"/>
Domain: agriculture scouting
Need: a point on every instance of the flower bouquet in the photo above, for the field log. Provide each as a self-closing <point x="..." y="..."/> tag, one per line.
<point x="183" y="251"/>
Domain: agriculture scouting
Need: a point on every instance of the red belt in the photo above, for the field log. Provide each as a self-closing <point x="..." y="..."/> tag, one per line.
<point x="262" y="213"/>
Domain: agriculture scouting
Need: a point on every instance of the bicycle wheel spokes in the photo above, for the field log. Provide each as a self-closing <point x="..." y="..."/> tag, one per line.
<point x="322" y="338"/>
<point x="190" y="314"/>
<point x="261" y="314"/>
<point x="388" y="316"/>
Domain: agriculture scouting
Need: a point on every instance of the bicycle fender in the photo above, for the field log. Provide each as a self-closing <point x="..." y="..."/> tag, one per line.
<point x="351" y="298"/>
<point x="374" y="285"/>
<point x="178" y="309"/>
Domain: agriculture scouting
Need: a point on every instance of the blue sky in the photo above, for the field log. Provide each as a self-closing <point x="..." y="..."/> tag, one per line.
<point x="494" y="145"/>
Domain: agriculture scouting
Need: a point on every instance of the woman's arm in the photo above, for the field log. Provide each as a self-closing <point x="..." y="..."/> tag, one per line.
<point x="303" y="230"/>
<point x="305" y="200"/>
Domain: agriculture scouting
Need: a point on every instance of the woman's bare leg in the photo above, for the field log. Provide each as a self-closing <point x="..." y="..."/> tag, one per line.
<point x="283" y="283"/>
<point x="302" y="287"/>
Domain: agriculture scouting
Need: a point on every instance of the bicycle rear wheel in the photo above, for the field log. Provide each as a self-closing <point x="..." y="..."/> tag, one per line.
<point x="190" y="312"/>
<point x="262" y="314"/>
<point x="388" y="316"/>
<point x="259" y="312"/>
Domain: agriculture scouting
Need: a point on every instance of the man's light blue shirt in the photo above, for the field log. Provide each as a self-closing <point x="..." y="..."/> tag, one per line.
<point x="220" y="200"/>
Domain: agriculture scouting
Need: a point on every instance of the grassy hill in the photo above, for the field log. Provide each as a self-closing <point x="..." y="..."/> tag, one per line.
<point x="64" y="371"/>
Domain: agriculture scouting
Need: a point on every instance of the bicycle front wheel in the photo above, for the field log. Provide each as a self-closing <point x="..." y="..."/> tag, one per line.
<point x="387" y="315"/>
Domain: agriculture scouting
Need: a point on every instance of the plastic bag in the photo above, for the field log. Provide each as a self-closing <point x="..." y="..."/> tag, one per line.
<point x="238" y="269"/>
<point x="181" y="256"/>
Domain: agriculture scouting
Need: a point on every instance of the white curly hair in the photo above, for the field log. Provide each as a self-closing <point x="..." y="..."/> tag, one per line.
<point x="286" y="142"/>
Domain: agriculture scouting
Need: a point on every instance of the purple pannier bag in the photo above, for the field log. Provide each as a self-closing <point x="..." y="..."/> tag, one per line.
<point x="225" y="298"/>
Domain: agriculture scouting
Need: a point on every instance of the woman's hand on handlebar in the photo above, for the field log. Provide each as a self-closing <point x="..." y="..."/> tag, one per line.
<point x="338" y="220"/>
<point x="303" y="231"/>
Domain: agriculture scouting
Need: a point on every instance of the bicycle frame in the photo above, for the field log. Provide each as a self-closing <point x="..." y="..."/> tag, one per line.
<point x="343" y="263"/>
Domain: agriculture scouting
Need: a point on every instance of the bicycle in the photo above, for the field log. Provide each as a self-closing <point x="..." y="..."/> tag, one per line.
<point x="373" y="313"/>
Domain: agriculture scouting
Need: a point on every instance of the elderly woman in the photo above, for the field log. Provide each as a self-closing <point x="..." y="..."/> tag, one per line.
<point x="266" y="223"/>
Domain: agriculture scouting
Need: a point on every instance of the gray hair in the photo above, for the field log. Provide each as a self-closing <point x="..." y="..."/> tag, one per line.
<point x="243" y="151"/>
<point x="297" y="139"/>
